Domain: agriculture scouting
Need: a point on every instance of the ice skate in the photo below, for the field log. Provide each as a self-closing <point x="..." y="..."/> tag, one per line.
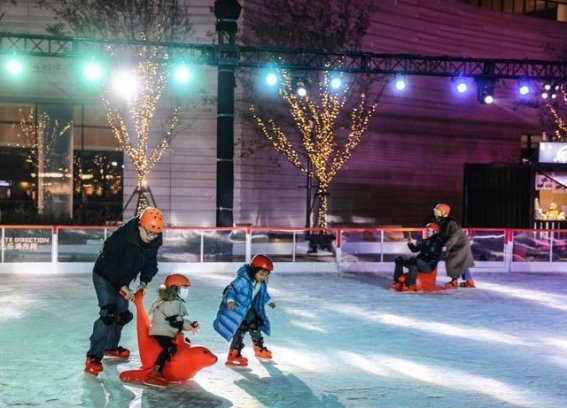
<point x="119" y="352"/>
<point x="262" y="352"/>
<point x="236" y="359"/>
<point x="409" y="288"/>
<point x="93" y="366"/>
<point x="395" y="286"/>
<point x="156" y="379"/>
<point x="469" y="283"/>
<point x="454" y="284"/>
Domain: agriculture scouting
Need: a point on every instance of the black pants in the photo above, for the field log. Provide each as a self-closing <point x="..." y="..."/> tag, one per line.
<point x="413" y="264"/>
<point x="252" y="324"/>
<point x="168" y="349"/>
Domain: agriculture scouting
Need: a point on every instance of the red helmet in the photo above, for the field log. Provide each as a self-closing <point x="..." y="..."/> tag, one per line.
<point x="152" y="220"/>
<point x="176" y="279"/>
<point x="434" y="227"/>
<point x="444" y="209"/>
<point x="262" y="261"/>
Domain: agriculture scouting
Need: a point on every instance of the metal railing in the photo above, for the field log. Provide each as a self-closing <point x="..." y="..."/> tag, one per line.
<point x="75" y="248"/>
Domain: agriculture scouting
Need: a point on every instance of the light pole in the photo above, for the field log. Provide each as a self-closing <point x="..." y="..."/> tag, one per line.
<point x="227" y="13"/>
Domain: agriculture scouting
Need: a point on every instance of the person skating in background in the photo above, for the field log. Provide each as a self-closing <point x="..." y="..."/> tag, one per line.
<point x="243" y="309"/>
<point x="429" y="251"/>
<point x="129" y="251"/>
<point x="169" y="317"/>
<point x="459" y="258"/>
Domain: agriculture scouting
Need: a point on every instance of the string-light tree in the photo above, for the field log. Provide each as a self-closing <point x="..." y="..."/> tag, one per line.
<point x="39" y="134"/>
<point x="323" y="24"/>
<point x="318" y="150"/>
<point x="131" y="123"/>
<point x="96" y="174"/>
<point x="154" y="20"/>
<point x="556" y="104"/>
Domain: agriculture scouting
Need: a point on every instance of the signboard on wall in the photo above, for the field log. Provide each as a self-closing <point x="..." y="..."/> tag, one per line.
<point x="553" y="152"/>
<point x="25" y="243"/>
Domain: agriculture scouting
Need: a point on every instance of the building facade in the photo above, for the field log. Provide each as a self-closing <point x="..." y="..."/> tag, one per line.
<point x="412" y="156"/>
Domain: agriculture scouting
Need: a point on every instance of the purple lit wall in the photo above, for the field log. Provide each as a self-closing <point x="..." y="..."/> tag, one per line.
<point x="412" y="156"/>
<point x="419" y="141"/>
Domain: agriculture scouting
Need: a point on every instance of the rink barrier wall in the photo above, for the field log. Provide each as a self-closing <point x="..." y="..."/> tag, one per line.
<point x="73" y="249"/>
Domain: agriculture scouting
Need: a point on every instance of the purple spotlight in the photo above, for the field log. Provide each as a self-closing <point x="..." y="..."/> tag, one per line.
<point x="399" y="83"/>
<point x="524" y="88"/>
<point x="461" y="86"/>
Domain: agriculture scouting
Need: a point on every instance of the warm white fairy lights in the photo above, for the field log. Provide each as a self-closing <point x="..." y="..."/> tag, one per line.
<point x="40" y="134"/>
<point x="141" y="107"/>
<point x="35" y="139"/>
<point x="558" y="109"/>
<point x="316" y="120"/>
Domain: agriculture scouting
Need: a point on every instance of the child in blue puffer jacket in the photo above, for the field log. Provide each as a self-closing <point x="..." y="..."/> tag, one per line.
<point x="243" y="309"/>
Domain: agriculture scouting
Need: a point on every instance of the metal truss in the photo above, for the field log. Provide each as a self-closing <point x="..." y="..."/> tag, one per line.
<point x="289" y="59"/>
<point x="404" y="64"/>
<point x="70" y="47"/>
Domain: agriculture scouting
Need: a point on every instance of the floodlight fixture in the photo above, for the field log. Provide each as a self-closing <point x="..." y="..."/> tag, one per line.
<point x="399" y="82"/>
<point x="125" y="83"/>
<point x="524" y="89"/>
<point x="554" y="90"/>
<point x="550" y="90"/>
<point x="271" y="79"/>
<point x="14" y="66"/>
<point x="182" y="74"/>
<point x="461" y="85"/>
<point x="299" y="86"/>
<point x="93" y="71"/>
<point x="485" y="90"/>
<point x="301" y="90"/>
<point x="336" y="83"/>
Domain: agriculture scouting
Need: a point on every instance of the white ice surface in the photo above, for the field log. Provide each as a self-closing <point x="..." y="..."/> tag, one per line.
<point x="338" y="341"/>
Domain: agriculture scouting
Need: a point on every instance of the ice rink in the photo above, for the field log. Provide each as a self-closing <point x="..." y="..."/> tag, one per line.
<point x="338" y="341"/>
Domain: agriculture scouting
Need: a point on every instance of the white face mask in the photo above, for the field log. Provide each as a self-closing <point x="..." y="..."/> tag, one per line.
<point x="183" y="292"/>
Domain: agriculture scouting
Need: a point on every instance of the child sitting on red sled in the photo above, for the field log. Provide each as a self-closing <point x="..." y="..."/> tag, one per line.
<point x="169" y="317"/>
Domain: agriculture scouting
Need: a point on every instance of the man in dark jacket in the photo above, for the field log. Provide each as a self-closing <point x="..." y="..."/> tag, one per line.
<point x="429" y="251"/>
<point x="130" y="251"/>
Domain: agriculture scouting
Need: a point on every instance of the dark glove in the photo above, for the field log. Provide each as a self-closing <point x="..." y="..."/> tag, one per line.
<point x="173" y="322"/>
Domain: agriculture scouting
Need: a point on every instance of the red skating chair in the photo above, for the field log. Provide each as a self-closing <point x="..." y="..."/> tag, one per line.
<point x="426" y="281"/>
<point x="183" y="365"/>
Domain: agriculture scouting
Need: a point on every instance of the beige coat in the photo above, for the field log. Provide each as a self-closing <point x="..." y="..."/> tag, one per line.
<point x="459" y="254"/>
<point x="160" y="310"/>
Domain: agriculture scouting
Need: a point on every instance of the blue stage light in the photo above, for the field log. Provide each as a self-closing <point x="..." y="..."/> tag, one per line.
<point x="271" y="79"/>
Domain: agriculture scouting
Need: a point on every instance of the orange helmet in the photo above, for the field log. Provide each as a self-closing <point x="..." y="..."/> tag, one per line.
<point x="434" y="227"/>
<point x="442" y="208"/>
<point x="262" y="261"/>
<point x="152" y="220"/>
<point x="176" y="279"/>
